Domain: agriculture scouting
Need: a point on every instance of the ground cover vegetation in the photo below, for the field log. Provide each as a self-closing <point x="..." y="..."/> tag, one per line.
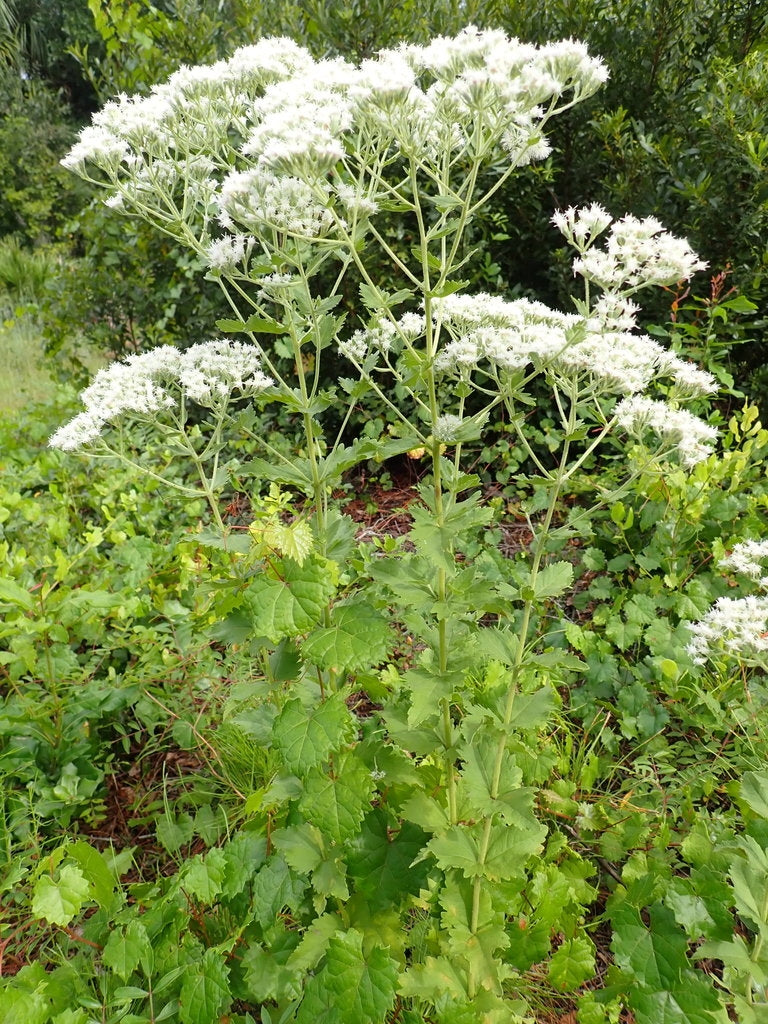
<point x="480" y="741"/>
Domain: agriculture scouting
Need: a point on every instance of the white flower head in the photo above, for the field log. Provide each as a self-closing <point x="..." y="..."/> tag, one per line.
<point x="79" y="432"/>
<point x="361" y="344"/>
<point x="689" y="380"/>
<point x="690" y="436"/>
<point x="227" y="252"/>
<point x="621" y="362"/>
<point x="212" y="370"/>
<point x="354" y="201"/>
<point x="582" y="226"/>
<point x="256" y="199"/>
<point x="638" y="253"/>
<point x="446" y="427"/>
<point x="148" y="383"/>
<point x="749" y="558"/>
<point x="613" y="312"/>
<point x="737" y="626"/>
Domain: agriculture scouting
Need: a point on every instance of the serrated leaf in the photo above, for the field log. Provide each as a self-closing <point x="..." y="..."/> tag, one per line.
<point x="58" y="902"/>
<point x="203" y="876"/>
<point x="266" y="970"/>
<point x="476" y="945"/>
<point x="12" y="593"/>
<point x="291" y="540"/>
<point x="293" y="603"/>
<point x="336" y="805"/>
<point x="124" y="949"/>
<point x="436" y="977"/>
<point x="382" y="862"/>
<point x="275" y="886"/>
<point x="314" y="942"/>
<point x="350" y="988"/>
<point x="205" y="994"/>
<point x="572" y="964"/>
<point x="357" y="639"/>
<point x="306" y="737"/>
<point x="508" y="849"/>
<point x="553" y="580"/>
<point x="623" y="634"/>
<point x="754" y="792"/>
<point x="664" y="989"/>
<point x="253" y="325"/>
<point x="244" y="855"/>
<point x="513" y="803"/>
<point x="101" y="880"/>
<point x="428" y="686"/>
<point x="301" y="845"/>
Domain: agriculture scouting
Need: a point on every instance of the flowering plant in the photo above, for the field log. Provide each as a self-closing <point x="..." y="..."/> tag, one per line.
<point x="404" y="846"/>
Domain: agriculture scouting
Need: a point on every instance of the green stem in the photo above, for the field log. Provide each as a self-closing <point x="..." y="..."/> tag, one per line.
<point x="538" y="554"/>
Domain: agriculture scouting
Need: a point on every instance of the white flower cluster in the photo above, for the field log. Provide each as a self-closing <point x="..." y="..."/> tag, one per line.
<point x="583" y="225"/>
<point x="361" y="344"/>
<point x="226" y="253"/>
<point x="749" y="558"/>
<point x="255" y="200"/>
<point x="446" y="427"/>
<point x="638" y="253"/>
<point x="145" y="384"/>
<point x="690" y="436"/>
<point x="602" y="348"/>
<point x="507" y="334"/>
<point x="737" y="625"/>
<point x="272" y="121"/>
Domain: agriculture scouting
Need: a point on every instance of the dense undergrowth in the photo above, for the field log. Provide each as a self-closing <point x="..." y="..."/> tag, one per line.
<point x="140" y="795"/>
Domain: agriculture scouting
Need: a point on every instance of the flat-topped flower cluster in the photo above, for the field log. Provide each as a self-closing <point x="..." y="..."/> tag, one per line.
<point x="272" y="140"/>
<point x="737" y="626"/>
<point x="597" y="349"/>
<point x="143" y="386"/>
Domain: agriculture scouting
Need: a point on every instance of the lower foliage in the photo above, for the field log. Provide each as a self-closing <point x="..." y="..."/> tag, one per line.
<point x="598" y="846"/>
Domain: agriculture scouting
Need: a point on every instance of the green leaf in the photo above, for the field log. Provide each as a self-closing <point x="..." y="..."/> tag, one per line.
<point x="314" y="942"/>
<point x="436" y="978"/>
<point x="253" y="325"/>
<point x="292" y="603"/>
<point x="475" y="942"/>
<point x="357" y="639"/>
<point x="306" y="737"/>
<point x="58" y="902"/>
<point x="572" y="964"/>
<point x="301" y="845"/>
<point x="275" y="886"/>
<point x="428" y="686"/>
<point x="623" y="634"/>
<point x="203" y="876"/>
<point x="553" y="580"/>
<point x="266" y="970"/>
<point x="244" y="856"/>
<point x="205" y="994"/>
<point x="754" y="792"/>
<point x="124" y="948"/>
<point x="448" y="288"/>
<point x="508" y="849"/>
<point x="664" y="989"/>
<point x="101" y="880"/>
<point x="351" y="987"/>
<point x="735" y="954"/>
<point x="337" y="805"/>
<point x="513" y="803"/>
<point x="12" y="593"/>
<point x="382" y="862"/>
